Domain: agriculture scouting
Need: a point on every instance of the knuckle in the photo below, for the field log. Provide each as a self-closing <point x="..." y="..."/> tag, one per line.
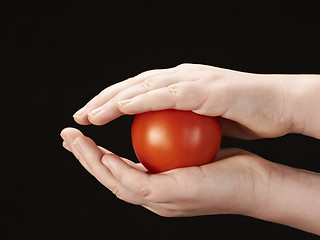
<point x="182" y="66"/>
<point x="149" y="193"/>
<point x="142" y="74"/>
<point x="144" y="192"/>
<point x="146" y="74"/>
<point x="173" y="90"/>
<point x="95" y="100"/>
<point x="118" y="192"/>
<point x="147" y="84"/>
<point x="114" y="101"/>
<point x="181" y="89"/>
<point x="101" y="97"/>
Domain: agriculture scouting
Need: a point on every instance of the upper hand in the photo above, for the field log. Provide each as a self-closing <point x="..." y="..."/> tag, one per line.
<point x="250" y="105"/>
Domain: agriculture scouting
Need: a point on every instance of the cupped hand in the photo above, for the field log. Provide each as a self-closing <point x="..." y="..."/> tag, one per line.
<point x="236" y="184"/>
<point x="250" y="105"/>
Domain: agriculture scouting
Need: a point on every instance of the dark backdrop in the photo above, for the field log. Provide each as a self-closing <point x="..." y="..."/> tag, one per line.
<point x="56" y="57"/>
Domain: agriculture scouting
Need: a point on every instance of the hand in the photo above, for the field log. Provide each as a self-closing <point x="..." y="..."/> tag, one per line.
<point x="250" y="105"/>
<point x="236" y="184"/>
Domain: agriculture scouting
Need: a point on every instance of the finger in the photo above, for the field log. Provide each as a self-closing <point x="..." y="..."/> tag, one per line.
<point x="165" y="79"/>
<point x="229" y="152"/>
<point x="135" y="180"/>
<point x="81" y="116"/>
<point x="110" y="110"/>
<point x="69" y="135"/>
<point x="138" y="166"/>
<point x="92" y="155"/>
<point x="182" y="96"/>
<point x="152" y="188"/>
<point x="66" y="146"/>
<point x="89" y="155"/>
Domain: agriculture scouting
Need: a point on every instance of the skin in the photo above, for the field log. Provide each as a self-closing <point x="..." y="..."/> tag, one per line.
<point x="250" y="106"/>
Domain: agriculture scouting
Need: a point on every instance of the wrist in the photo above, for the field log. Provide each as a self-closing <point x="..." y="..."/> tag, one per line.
<point x="292" y="198"/>
<point x="252" y="199"/>
<point x="304" y="101"/>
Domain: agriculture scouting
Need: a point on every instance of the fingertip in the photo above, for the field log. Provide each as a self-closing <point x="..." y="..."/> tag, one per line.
<point x="65" y="132"/>
<point x="81" y="116"/>
<point x="83" y="120"/>
<point x="70" y="130"/>
<point x="68" y="134"/>
<point x="66" y="146"/>
<point x="80" y="112"/>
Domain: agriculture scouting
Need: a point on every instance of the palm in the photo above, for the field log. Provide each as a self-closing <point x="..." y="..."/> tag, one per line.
<point x="218" y="187"/>
<point x="211" y="188"/>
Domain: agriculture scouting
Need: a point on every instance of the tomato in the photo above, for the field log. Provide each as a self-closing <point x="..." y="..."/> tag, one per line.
<point x="168" y="139"/>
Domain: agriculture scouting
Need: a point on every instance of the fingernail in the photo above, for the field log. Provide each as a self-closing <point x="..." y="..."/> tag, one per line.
<point x="79" y="112"/>
<point x="95" y="111"/>
<point x="78" y="147"/>
<point x="106" y="161"/>
<point x="124" y="102"/>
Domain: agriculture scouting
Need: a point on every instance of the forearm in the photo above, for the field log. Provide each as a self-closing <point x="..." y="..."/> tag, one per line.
<point x="293" y="199"/>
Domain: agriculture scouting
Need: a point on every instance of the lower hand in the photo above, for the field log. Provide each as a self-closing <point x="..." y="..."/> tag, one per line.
<point x="236" y="184"/>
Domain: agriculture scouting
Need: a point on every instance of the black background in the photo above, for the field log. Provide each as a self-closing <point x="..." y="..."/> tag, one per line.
<point x="55" y="57"/>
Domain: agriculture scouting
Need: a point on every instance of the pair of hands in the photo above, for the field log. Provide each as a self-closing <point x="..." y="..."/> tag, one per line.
<point x="250" y="106"/>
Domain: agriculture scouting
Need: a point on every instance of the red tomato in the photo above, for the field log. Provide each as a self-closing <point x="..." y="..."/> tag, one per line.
<point x="168" y="139"/>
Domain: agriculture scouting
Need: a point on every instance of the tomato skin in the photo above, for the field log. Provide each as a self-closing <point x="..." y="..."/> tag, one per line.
<point x="169" y="139"/>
